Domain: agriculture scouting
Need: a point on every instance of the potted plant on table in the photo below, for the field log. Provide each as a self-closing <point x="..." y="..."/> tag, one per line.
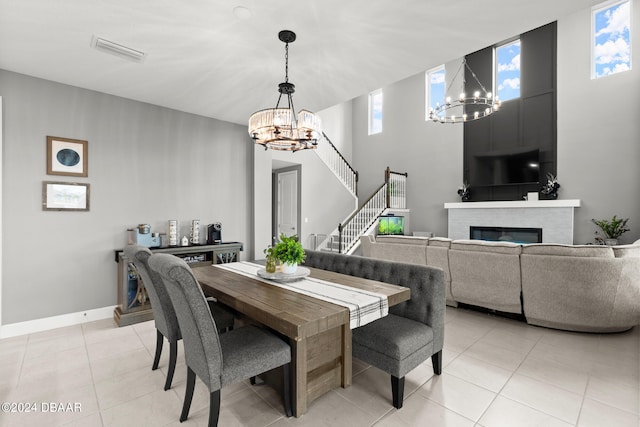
<point x="612" y="229"/>
<point x="290" y="253"/>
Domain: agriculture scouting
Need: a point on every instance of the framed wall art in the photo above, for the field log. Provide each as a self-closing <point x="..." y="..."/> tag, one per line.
<point x="66" y="156"/>
<point x="65" y="196"/>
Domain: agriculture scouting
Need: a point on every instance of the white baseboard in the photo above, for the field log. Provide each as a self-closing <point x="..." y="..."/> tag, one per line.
<point x="44" y="324"/>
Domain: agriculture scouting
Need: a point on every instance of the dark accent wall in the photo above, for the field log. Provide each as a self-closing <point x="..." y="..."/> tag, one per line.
<point x="522" y="125"/>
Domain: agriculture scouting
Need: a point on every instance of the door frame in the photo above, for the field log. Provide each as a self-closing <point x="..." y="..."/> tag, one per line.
<point x="274" y="201"/>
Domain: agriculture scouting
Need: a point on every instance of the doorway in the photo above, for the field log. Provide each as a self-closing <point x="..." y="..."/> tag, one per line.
<point x="286" y="201"/>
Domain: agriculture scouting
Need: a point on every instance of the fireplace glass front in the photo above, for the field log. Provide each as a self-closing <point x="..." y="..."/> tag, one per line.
<point x="507" y="234"/>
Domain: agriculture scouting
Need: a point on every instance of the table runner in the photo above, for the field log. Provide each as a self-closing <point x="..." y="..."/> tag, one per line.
<point x="364" y="306"/>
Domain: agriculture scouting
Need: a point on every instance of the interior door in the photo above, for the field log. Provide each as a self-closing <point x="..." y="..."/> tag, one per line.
<point x="287" y="203"/>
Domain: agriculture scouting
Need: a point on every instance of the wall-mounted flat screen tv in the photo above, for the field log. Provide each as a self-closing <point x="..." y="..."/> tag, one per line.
<point x="516" y="167"/>
<point x="390" y="224"/>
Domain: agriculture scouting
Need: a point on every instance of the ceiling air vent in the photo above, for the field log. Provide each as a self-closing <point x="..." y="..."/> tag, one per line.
<point x="116" y="49"/>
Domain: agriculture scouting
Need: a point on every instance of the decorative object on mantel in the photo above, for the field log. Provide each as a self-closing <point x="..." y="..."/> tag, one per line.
<point x="550" y="189"/>
<point x="464" y="192"/>
<point x="471" y="107"/>
<point x="280" y="128"/>
<point x="612" y="230"/>
<point x="290" y="253"/>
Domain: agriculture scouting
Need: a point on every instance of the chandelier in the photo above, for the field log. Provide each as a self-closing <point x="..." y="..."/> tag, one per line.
<point x="481" y="104"/>
<point x="280" y="128"/>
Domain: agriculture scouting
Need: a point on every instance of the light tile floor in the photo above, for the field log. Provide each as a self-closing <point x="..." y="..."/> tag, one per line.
<point x="497" y="372"/>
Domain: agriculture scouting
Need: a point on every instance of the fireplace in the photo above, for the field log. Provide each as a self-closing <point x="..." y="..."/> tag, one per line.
<point x="506" y="234"/>
<point x="554" y="217"/>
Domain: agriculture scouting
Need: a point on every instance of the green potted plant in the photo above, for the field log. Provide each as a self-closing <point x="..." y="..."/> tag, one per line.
<point x="290" y="253"/>
<point x="612" y="229"/>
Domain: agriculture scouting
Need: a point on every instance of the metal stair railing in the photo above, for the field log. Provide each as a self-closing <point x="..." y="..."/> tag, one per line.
<point x="330" y="155"/>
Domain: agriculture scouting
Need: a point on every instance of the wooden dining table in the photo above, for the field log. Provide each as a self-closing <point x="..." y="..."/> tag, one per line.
<point x="318" y="331"/>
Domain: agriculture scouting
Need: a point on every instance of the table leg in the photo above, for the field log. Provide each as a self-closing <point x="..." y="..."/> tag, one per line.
<point x="346" y="356"/>
<point x="299" y="377"/>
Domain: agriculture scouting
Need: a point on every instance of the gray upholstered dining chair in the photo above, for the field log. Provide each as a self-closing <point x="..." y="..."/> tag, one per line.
<point x="218" y="360"/>
<point x="163" y="313"/>
<point x="413" y="330"/>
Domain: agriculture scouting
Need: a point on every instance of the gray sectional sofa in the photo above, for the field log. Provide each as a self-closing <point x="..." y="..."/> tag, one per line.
<point x="584" y="288"/>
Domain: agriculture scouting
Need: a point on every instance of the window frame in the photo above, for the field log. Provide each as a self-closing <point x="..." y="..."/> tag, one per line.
<point x="371" y="121"/>
<point x="496" y="81"/>
<point x="597" y="9"/>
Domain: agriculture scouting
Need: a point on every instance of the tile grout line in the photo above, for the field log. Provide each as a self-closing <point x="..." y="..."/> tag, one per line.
<point x="93" y="380"/>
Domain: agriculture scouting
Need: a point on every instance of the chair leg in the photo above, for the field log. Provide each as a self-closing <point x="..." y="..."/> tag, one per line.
<point x="173" y="354"/>
<point x="188" y="394"/>
<point x="286" y="389"/>
<point x="436" y="361"/>
<point x="159" y="341"/>
<point x="252" y="380"/>
<point x="397" y="389"/>
<point x="214" y="408"/>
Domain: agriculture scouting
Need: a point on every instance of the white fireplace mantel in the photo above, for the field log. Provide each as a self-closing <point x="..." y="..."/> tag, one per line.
<point x="554" y="217"/>
<point x="569" y="203"/>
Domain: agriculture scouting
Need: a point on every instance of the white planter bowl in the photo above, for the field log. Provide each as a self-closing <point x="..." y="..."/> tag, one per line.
<point x="289" y="268"/>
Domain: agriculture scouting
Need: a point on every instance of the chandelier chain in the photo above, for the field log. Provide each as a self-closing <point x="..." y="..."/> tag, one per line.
<point x="286" y="62"/>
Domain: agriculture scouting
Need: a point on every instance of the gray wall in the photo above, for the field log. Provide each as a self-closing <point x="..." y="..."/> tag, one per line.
<point x="598" y="131"/>
<point x="147" y="164"/>
<point x="598" y="140"/>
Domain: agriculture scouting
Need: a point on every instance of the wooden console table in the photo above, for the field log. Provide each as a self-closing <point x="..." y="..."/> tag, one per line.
<point x="133" y="303"/>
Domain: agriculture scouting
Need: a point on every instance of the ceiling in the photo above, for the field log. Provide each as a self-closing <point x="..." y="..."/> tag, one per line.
<point x="203" y="59"/>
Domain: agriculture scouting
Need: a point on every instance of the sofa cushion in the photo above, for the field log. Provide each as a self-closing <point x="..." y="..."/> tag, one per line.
<point x="442" y="242"/>
<point x="568" y="250"/>
<point x="394" y="344"/>
<point x="486" y="246"/>
<point x="405" y="240"/>
<point x="627" y="251"/>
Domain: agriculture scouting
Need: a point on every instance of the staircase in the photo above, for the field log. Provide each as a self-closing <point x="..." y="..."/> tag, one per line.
<point x="391" y="194"/>
<point x="330" y="155"/>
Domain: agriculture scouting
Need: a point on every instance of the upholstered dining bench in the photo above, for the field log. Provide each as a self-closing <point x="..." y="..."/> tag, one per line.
<point x="412" y="332"/>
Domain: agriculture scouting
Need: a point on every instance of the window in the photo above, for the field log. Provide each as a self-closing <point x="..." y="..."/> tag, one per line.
<point x="375" y="112"/>
<point x="435" y="89"/>
<point x="611" y="39"/>
<point x="508" y="70"/>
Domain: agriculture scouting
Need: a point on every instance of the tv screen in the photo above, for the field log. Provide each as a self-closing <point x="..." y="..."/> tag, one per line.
<point x="391" y="225"/>
<point x="508" y="168"/>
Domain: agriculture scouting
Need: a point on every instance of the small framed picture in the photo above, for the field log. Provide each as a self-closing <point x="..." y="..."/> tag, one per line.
<point x="65" y="196"/>
<point x="66" y="156"/>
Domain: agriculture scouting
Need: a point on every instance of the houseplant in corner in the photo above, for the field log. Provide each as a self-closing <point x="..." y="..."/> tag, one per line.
<point x="612" y="229"/>
<point x="290" y="253"/>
